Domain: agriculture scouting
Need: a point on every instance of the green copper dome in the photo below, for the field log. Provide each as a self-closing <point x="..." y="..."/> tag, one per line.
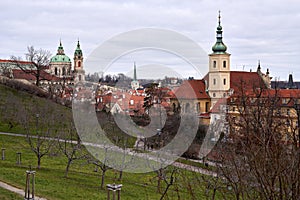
<point x="60" y="58"/>
<point x="60" y="55"/>
<point x="219" y="47"/>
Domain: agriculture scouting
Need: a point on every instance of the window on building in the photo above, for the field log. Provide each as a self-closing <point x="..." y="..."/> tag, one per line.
<point x="214" y="94"/>
<point x="224" y="64"/>
<point x="55" y="71"/>
<point x="288" y="112"/>
<point x="198" y="106"/>
<point x="224" y="94"/>
<point x="187" y="108"/>
<point x="224" y="81"/>
<point x="215" y="81"/>
<point x="63" y="71"/>
<point x="215" y="64"/>
<point x="131" y="102"/>
<point x="206" y="106"/>
<point x="79" y="64"/>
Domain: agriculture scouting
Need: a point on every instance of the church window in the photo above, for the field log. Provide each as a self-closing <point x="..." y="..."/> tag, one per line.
<point x="214" y="94"/>
<point x="55" y="71"/>
<point x="224" y="81"/>
<point x="215" y="81"/>
<point x="79" y="64"/>
<point x="64" y="71"/>
<point x="215" y="64"/>
<point x="224" y="64"/>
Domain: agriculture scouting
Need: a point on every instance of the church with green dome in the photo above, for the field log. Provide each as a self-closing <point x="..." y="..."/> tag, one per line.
<point x="61" y="65"/>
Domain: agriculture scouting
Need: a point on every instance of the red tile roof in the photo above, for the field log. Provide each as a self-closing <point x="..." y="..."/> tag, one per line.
<point x="248" y="81"/>
<point x="191" y="89"/>
<point x="20" y="74"/>
<point x="11" y="61"/>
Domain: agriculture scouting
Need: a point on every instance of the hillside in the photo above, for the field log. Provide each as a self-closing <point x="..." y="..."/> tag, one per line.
<point x="20" y="110"/>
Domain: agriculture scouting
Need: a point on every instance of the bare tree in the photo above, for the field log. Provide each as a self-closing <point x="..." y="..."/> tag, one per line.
<point x="40" y="126"/>
<point x="70" y="145"/>
<point x="103" y="167"/>
<point x="259" y="160"/>
<point x="39" y="61"/>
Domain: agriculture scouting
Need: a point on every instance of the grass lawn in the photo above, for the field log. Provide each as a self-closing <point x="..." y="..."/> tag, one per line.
<point x="8" y="195"/>
<point x="83" y="182"/>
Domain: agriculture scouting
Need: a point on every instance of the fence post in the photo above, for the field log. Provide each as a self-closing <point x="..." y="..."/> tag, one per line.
<point x="29" y="188"/>
<point x="19" y="158"/>
<point x="3" y="153"/>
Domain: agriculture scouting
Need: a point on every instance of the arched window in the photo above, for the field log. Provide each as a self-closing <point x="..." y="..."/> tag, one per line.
<point x="224" y="81"/>
<point x="63" y="71"/>
<point x="79" y="64"/>
<point x="224" y="64"/>
<point x="55" y="71"/>
<point x="215" y="81"/>
<point x="215" y="64"/>
<point x="187" y="108"/>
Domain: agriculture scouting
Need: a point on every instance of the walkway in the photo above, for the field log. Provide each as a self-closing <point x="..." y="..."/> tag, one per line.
<point x="17" y="190"/>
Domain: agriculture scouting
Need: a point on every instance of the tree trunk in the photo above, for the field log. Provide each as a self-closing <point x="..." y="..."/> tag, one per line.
<point x="67" y="168"/>
<point x="39" y="162"/>
<point x="120" y="175"/>
<point x="102" y="179"/>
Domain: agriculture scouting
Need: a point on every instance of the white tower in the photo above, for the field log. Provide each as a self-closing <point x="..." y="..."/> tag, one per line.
<point x="219" y="68"/>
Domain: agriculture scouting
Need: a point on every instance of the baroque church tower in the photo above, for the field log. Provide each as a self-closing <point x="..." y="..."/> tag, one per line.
<point x="79" y="73"/>
<point x="219" y="68"/>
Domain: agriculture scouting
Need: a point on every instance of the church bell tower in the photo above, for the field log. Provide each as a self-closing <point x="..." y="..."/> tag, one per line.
<point x="78" y="64"/>
<point x="219" y="68"/>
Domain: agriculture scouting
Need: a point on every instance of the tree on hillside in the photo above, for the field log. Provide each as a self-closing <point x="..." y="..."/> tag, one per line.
<point x="40" y="126"/>
<point x="39" y="60"/>
<point x="71" y="146"/>
<point x="260" y="158"/>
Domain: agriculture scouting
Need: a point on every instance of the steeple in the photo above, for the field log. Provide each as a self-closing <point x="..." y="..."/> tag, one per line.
<point x="78" y="51"/>
<point x="291" y="84"/>
<point x="60" y="49"/>
<point x="134" y="72"/>
<point x="219" y="47"/>
<point x="134" y="83"/>
<point x="258" y="67"/>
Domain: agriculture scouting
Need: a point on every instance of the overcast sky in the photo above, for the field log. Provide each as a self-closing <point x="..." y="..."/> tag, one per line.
<point x="253" y="30"/>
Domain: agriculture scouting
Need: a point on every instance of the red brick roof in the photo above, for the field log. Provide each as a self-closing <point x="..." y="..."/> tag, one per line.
<point x="191" y="89"/>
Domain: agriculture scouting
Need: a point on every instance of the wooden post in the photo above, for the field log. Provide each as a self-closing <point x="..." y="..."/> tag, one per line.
<point x="29" y="188"/>
<point x="3" y="153"/>
<point x="114" y="188"/>
<point x="19" y="159"/>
